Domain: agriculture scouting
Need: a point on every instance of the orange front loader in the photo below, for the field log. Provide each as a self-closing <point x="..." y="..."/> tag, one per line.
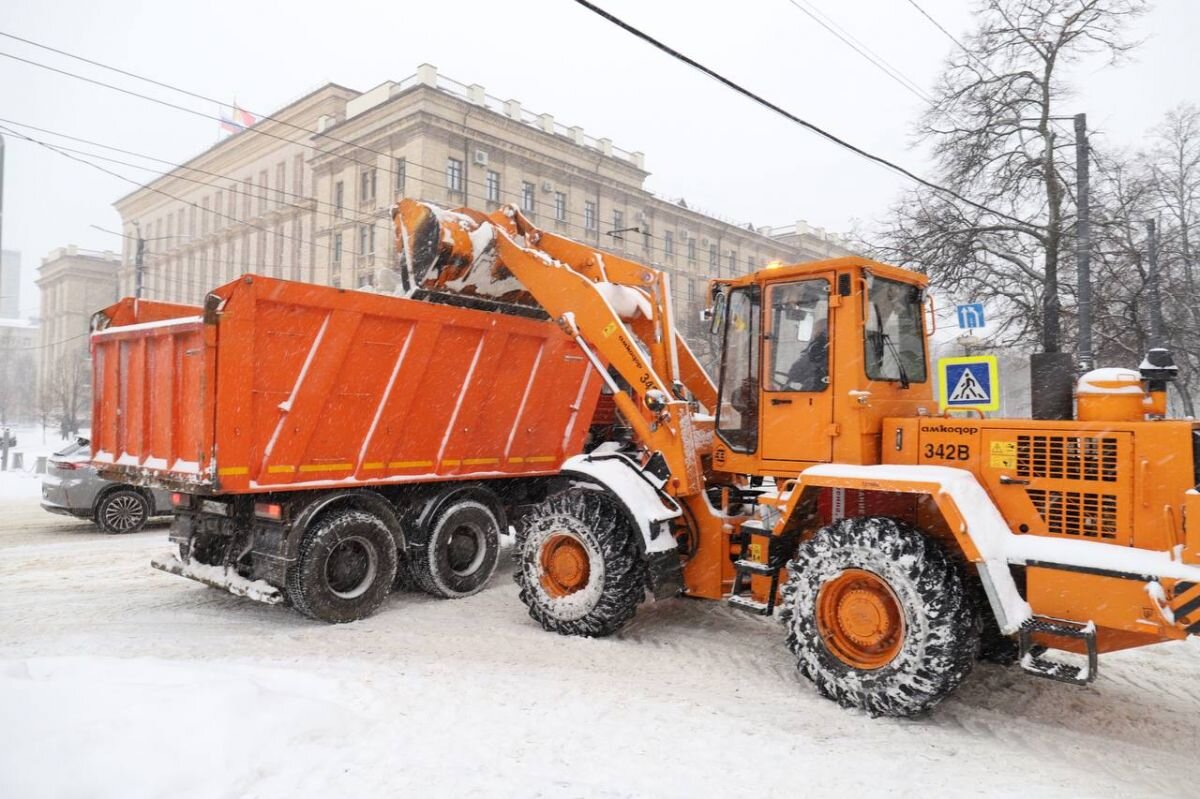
<point x="817" y="476"/>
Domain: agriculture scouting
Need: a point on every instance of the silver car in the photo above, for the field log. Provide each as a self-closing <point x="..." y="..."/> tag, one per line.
<point x="72" y="487"/>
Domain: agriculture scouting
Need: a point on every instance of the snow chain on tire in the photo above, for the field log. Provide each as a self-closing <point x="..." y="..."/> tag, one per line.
<point x="612" y="580"/>
<point x="940" y="639"/>
<point x="345" y="569"/>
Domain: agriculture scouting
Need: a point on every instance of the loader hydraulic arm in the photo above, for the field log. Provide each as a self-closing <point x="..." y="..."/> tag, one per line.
<point x="613" y="307"/>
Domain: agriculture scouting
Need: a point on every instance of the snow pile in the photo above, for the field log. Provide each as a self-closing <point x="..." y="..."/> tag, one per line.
<point x="1110" y="380"/>
<point x="626" y="301"/>
<point x="32" y="443"/>
<point x="119" y="681"/>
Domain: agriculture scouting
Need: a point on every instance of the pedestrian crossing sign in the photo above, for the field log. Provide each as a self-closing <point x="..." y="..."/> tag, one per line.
<point x="971" y="383"/>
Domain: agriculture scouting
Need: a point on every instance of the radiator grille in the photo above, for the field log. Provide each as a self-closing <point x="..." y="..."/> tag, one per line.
<point x="1076" y="513"/>
<point x="1067" y="458"/>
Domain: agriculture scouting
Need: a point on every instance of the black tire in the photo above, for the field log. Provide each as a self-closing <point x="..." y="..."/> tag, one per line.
<point x="586" y="526"/>
<point x="935" y="645"/>
<point x="345" y="569"/>
<point x="462" y="551"/>
<point x="123" y="510"/>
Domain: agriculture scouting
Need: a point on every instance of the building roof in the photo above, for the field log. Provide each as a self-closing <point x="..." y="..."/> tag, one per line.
<point x="273" y="116"/>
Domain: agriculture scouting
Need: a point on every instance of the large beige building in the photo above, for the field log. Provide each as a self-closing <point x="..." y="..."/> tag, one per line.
<point x="281" y="200"/>
<point x="73" y="283"/>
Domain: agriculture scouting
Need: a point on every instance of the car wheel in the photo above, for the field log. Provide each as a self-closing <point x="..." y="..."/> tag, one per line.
<point x="122" y="511"/>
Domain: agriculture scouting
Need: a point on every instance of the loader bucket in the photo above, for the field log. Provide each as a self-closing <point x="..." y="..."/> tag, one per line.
<point x="451" y="253"/>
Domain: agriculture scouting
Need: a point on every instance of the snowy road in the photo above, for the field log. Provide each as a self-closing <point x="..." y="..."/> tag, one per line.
<point x="116" y="680"/>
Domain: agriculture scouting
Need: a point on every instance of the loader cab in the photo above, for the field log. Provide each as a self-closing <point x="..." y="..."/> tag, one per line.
<point x="812" y="356"/>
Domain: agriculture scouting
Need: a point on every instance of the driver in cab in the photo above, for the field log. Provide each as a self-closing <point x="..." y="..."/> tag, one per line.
<point x="810" y="371"/>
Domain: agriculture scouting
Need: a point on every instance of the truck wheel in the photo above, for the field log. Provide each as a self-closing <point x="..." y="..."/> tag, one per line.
<point x="462" y="552"/>
<point x="345" y="569"/>
<point x="124" y="510"/>
<point x="578" y="565"/>
<point x="878" y="617"/>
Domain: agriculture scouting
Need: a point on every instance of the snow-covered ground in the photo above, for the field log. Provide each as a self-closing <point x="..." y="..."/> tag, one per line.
<point x="119" y="681"/>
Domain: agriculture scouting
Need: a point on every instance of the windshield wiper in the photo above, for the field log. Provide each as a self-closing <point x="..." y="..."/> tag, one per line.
<point x="891" y="346"/>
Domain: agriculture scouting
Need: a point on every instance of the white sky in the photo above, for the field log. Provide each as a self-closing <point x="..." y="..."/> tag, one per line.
<point x="719" y="151"/>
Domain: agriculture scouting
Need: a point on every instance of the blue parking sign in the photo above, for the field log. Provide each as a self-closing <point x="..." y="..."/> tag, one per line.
<point x="970" y="316"/>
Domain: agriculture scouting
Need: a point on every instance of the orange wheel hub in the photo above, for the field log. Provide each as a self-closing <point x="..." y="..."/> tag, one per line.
<point x="860" y="619"/>
<point x="565" y="565"/>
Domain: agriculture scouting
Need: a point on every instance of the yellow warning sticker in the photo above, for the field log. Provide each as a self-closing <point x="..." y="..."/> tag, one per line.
<point x="609" y="329"/>
<point x="1004" y="455"/>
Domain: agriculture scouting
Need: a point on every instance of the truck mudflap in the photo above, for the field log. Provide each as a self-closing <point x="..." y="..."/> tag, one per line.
<point x="218" y="577"/>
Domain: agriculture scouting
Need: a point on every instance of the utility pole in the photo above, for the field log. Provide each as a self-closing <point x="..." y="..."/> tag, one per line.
<point x="1083" y="243"/>
<point x="139" y="262"/>
<point x="1158" y="335"/>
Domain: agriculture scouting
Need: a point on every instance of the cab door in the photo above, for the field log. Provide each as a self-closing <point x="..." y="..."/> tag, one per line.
<point x="797" y="397"/>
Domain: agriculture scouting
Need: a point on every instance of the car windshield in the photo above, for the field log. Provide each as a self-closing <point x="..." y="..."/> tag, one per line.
<point x="80" y="447"/>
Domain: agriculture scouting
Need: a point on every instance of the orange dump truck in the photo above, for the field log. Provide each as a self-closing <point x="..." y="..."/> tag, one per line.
<point x="319" y="440"/>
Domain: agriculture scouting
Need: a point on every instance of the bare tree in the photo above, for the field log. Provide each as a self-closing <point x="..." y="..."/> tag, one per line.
<point x="70" y="384"/>
<point x="995" y="138"/>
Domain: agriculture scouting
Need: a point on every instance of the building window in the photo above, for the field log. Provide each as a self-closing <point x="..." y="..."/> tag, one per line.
<point x="339" y="198"/>
<point x="669" y="244"/>
<point x="232" y="202"/>
<point x="646" y="238"/>
<point x="204" y="217"/>
<point x="732" y="263"/>
<point x="691" y="244"/>
<point x="219" y="221"/>
<point x="493" y="186"/>
<point x="366" y="187"/>
<point x="262" y="192"/>
<point x="399" y="167"/>
<point x="454" y="174"/>
<point x="589" y="215"/>
<point x="712" y="258"/>
<point x="366" y="240"/>
<point x="281" y="183"/>
<point x="527" y="197"/>
<point x="560" y="206"/>
<point x="247" y="198"/>
<point x="298" y="176"/>
<point x="337" y="249"/>
<point x="618" y="225"/>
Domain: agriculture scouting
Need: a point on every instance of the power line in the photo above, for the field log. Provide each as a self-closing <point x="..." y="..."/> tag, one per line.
<point x="119" y="176"/>
<point x="792" y="117"/>
<point x="951" y="37"/>
<point x="254" y="130"/>
<point x="857" y="46"/>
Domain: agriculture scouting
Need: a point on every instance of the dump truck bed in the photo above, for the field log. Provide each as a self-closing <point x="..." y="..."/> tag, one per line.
<point x="279" y="385"/>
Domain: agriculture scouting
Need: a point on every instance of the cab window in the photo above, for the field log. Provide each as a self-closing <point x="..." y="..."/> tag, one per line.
<point x="737" y="406"/>
<point x="799" y="336"/>
<point x="895" y="341"/>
